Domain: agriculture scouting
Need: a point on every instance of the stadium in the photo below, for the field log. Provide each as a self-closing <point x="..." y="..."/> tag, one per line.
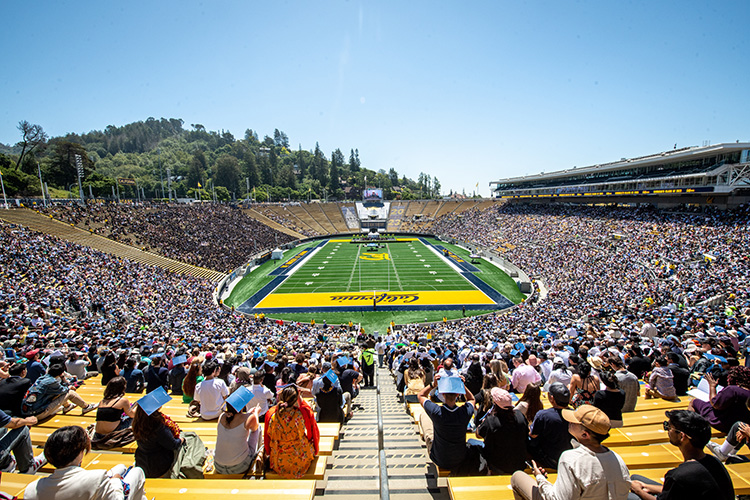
<point x="635" y="260"/>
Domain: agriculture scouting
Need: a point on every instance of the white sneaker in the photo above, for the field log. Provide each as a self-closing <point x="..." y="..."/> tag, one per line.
<point x="39" y="462"/>
<point x="716" y="450"/>
<point x="11" y="467"/>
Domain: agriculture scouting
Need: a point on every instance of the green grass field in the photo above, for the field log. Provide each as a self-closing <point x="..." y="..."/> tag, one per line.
<point x="341" y="266"/>
<point x="347" y="267"/>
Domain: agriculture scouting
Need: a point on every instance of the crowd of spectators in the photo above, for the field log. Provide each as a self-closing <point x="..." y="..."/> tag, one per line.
<point x="632" y="293"/>
<point x="214" y="236"/>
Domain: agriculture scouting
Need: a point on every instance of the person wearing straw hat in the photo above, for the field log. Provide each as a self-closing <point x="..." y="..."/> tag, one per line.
<point x="590" y="471"/>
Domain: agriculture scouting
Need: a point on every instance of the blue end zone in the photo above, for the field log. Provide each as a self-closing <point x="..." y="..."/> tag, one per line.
<point x="457" y="260"/>
<point x="294" y="261"/>
<point x="249" y="304"/>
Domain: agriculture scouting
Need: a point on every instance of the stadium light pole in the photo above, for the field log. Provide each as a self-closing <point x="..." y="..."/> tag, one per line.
<point x="79" y="169"/>
<point x="161" y="174"/>
<point x="5" y="198"/>
<point x="41" y="183"/>
<point x="169" y="184"/>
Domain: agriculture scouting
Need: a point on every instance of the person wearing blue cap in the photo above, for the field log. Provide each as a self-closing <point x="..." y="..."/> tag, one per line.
<point x="163" y="449"/>
<point x="237" y="435"/>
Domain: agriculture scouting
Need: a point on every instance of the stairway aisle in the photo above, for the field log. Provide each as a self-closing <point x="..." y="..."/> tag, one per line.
<point x="355" y="471"/>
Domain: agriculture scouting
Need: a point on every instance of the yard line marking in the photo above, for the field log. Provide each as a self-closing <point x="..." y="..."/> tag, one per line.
<point x="354" y="268"/>
<point x="395" y="271"/>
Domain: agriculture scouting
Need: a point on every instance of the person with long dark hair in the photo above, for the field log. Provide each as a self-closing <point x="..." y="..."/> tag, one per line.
<point x="530" y="402"/>
<point x="237" y="434"/>
<point x="504" y="430"/>
<point x="114" y="412"/>
<point x="291" y="435"/>
<point x="611" y="399"/>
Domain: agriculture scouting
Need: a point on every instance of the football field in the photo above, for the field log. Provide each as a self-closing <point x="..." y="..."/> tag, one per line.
<point x="338" y="275"/>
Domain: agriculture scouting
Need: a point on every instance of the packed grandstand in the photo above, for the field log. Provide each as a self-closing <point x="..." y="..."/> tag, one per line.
<point x="629" y="282"/>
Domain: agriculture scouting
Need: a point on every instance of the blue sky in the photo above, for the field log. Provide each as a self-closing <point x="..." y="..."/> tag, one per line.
<point x="469" y="92"/>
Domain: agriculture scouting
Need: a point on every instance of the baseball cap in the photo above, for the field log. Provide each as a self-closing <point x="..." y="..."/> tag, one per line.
<point x="32" y="353"/>
<point x="560" y="393"/>
<point x="501" y="398"/>
<point x="590" y="417"/>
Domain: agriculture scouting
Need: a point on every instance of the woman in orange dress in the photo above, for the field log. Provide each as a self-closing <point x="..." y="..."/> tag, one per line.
<point x="291" y="435"/>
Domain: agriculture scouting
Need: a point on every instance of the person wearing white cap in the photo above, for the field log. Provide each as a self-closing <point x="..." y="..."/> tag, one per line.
<point x="590" y="471"/>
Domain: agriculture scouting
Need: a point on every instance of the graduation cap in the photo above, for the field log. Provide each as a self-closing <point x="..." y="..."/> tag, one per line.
<point x="331" y="375"/>
<point x="712" y="357"/>
<point x="240" y="398"/>
<point x="451" y="385"/>
<point x="520" y="347"/>
<point x="178" y="360"/>
<point x="154" y="400"/>
<point x="271" y="364"/>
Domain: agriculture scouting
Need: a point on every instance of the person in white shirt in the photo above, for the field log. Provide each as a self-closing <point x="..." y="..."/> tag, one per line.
<point x="590" y="471"/>
<point x="380" y="349"/>
<point x="262" y="396"/>
<point x="212" y="392"/>
<point x="65" y="449"/>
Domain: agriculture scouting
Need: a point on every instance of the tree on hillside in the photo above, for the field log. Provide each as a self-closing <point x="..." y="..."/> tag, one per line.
<point x="250" y="170"/>
<point x="32" y="136"/>
<point x="393" y="176"/>
<point x="354" y="161"/>
<point x="227" y="172"/>
<point x="197" y="170"/>
<point x="280" y="139"/>
<point x="337" y="163"/>
<point x="61" y="170"/>
<point x="321" y="165"/>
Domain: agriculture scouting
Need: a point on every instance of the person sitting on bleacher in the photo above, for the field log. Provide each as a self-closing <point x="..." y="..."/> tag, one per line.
<point x="65" y="449"/>
<point x="113" y="417"/>
<point x="291" y="436"/>
<point x="133" y="376"/>
<point x="661" y="381"/>
<point x="627" y="381"/>
<point x="15" y="439"/>
<point x="447" y="432"/>
<point x="13" y="389"/>
<point x="504" y="431"/>
<point x="163" y="449"/>
<point x="238" y="434"/>
<point x="549" y="435"/>
<point x="211" y="392"/>
<point x="700" y="476"/>
<point x="589" y="471"/>
<point x="725" y="408"/>
<point x="737" y="436"/>
<point x="50" y="392"/>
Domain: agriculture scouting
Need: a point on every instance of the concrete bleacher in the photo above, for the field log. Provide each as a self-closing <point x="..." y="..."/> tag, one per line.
<point x="262" y="216"/>
<point x="316" y="212"/>
<point x="335" y="216"/>
<point x="303" y="215"/>
<point x="396" y="216"/>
